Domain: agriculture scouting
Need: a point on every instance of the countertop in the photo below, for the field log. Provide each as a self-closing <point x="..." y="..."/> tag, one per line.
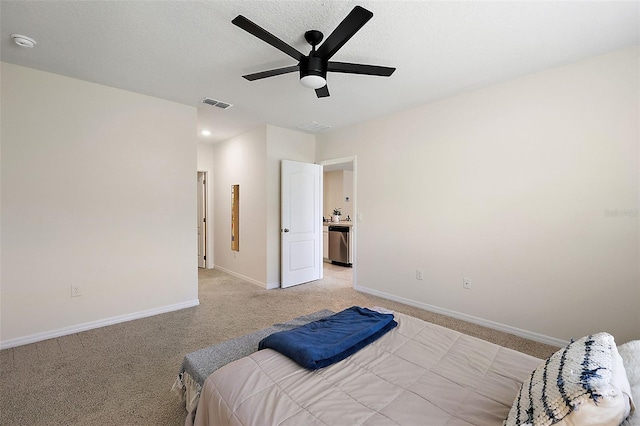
<point x="341" y="223"/>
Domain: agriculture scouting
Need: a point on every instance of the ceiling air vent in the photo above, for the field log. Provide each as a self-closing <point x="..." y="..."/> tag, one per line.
<point x="313" y="127"/>
<point x="215" y="103"/>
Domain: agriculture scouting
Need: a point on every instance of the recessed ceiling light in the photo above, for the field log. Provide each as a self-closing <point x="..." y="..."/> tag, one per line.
<point x="23" y="41"/>
<point x="205" y="133"/>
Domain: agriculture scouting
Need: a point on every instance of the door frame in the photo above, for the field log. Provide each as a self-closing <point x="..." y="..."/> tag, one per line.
<point x="208" y="258"/>
<point x="354" y="160"/>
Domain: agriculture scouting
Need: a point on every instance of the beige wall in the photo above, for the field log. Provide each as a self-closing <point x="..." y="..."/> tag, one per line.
<point x="98" y="190"/>
<point x="333" y="189"/>
<point x="347" y="192"/>
<point x="253" y="161"/>
<point x="512" y="187"/>
<point x="338" y="184"/>
<point x="242" y="161"/>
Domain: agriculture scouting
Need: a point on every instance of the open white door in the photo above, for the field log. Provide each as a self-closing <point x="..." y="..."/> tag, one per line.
<point x="301" y="223"/>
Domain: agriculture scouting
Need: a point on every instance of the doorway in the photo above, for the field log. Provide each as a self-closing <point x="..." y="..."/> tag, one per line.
<point x="340" y="188"/>
<point x="202" y="219"/>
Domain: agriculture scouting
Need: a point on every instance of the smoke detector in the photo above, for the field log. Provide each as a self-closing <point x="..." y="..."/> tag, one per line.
<point x="23" y="41"/>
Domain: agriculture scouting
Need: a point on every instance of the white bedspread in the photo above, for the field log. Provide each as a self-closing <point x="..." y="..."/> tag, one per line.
<point x="417" y="374"/>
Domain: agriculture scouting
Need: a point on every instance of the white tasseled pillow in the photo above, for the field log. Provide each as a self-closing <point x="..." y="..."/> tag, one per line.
<point x="630" y="353"/>
<point x="582" y="384"/>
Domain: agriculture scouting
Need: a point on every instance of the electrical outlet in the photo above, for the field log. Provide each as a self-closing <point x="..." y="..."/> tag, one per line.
<point x="418" y="274"/>
<point x="466" y="283"/>
<point x="75" y="291"/>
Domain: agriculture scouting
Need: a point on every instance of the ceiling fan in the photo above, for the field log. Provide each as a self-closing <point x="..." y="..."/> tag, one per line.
<point x="314" y="66"/>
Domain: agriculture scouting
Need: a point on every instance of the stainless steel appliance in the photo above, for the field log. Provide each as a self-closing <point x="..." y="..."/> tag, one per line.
<point x="339" y="245"/>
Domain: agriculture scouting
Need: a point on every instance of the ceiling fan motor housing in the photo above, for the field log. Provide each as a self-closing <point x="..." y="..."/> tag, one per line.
<point x="312" y="65"/>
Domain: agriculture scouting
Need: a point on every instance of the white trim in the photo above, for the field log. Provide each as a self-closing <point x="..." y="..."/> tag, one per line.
<point x="19" y="341"/>
<point x="235" y="274"/>
<point x="339" y="160"/>
<point x="208" y="236"/>
<point x="354" y="228"/>
<point x="205" y="218"/>
<point x="470" y="318"/>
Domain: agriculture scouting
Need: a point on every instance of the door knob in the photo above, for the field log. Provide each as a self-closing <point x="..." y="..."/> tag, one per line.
<point x="286" y="229"/>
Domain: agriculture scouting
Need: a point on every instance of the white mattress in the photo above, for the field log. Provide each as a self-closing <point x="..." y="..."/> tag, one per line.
<point x="417" y="374"/>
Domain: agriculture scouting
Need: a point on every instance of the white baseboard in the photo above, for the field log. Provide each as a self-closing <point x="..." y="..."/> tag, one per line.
<point x="235" y="274"/>
<point x="470" y="318"/>
<point x="19" y="341"/>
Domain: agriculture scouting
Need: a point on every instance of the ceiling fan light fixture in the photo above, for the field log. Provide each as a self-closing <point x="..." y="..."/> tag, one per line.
<point x="313" y="81"/>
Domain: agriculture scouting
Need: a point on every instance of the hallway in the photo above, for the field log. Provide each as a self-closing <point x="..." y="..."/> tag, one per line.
<point x="336" y="276"/>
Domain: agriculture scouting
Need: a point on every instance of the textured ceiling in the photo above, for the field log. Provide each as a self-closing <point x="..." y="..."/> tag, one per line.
<point x="187" y="50"/>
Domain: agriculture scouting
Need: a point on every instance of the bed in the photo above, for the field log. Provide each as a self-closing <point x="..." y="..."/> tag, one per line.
<point x="197" y="366"/>
<point x="416" y="374"/>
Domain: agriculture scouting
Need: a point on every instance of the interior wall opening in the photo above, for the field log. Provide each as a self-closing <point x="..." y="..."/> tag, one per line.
<point x="339" y="225"/>
<point x="202" y="219"/>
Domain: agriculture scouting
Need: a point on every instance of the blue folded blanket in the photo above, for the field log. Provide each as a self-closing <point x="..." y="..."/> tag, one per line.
<point x="329" y="340"/>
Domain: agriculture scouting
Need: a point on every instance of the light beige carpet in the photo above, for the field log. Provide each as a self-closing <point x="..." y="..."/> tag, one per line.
<point x="122" y="374"/>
